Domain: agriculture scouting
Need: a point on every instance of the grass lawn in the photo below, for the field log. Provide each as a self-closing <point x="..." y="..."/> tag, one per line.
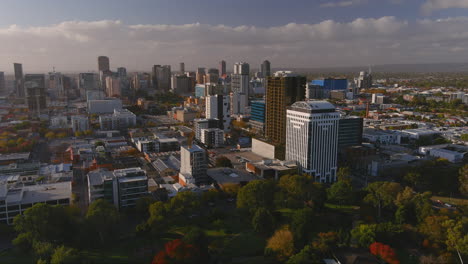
<point x="343" y="208"/>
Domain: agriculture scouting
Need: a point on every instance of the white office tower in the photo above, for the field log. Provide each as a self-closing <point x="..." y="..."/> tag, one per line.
<point x="240" y="82"/>
<point x="238" y="103"/>
<point x="218" y="106"/>
<point x="312" y="138"/>
<point x="193" y="164"/>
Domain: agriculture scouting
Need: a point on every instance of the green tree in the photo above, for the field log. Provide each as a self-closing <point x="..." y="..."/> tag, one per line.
<point x="457" y="235"/>
<point x="300" y="190"/>
<point x="341" y="192"/>
<point x="64" y="255"/>
<point x="464" y="137"/>
<point x="364" y="235"/>
<point x="183" y="205"/>
<point x="301" y="226"/>
<point x="223" y="162"/>
<point x="262" y="221"/>
<point x="157" y="221"/>
<point x="102" y="219"/>
<point x="305" y="256"/>
<point x="256" y="194"/>
<point x="463" y="179"/>
<point x="413" y="178"/>
<point x="382" y="194"/>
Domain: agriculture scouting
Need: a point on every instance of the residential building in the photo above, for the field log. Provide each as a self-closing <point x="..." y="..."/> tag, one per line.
<point x="121" y="187"/>
<point x="212" y="137"/>
<point x="218" y="107"/>
<point x="193" y="165"/>
<point x="239" y="103"/>
<point x="200" y="124"/>
<point x="240" y="82"/>
<point x="19" y="80"/>
<point x="312" y="138"/>
<point x="283" y="89"/>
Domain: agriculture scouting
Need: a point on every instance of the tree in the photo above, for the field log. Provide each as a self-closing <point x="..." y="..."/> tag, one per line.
<point x="183" y="205"/>
<point x="281" y="244"/>
<point x="384" y="252"/>
<point x="50" y="135"/>
<point x="262" y="221"/>
<point x="382" y="194"/>
<point x="102" y="219"/>
<point x="301" y="226"/>
<point x="341" y="192"/>
<point x="300" y="190"/>
<point x="305" y="256"/>
<point x="178" y="252"/>
<point x="326" y="241"/>
<point x="256" y="194"/>
<point x="343" y="174"/>
<point x="457" y="235"/>
<point x="433" y="227"/>
<point x="157" y="220"/>
<point x="364" y="235"/>
<point x="413" y="178"/>
<point x="223" y="162"/>
<point x="64" y="255"/>
<point x="463" y="179"/>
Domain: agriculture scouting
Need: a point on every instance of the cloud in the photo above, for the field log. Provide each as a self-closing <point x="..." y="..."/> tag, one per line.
<point x="345" y="3"/>
<point x="75" y="45"/>
<point x="433" y="5"/>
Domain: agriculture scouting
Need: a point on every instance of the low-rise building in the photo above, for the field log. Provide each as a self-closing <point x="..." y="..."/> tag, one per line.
<point x="120" y="119"/>
<point x="272" y="169"/>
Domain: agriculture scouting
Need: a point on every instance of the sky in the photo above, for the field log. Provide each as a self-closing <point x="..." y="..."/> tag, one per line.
<point x="136" y="34"/>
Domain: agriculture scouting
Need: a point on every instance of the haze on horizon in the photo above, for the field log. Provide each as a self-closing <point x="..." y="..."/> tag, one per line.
<point x="299" y="34"/>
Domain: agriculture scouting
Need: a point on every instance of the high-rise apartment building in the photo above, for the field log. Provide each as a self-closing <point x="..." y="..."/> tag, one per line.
<point x="19" y="80"/>
<point x="2" y="82"/>
<point x="266" y="69"/>
<point x="218" y="106"/>
<point x="283" y="89"/>
<point x="103" y="64"/>
<point x="193" y="164"/>
<point x="312" y="138"/>
<point x="222" y="68"/>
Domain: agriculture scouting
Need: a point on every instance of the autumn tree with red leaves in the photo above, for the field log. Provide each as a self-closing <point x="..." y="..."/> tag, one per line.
<point x="385" y="252"/>
<point x="178" y="252"/>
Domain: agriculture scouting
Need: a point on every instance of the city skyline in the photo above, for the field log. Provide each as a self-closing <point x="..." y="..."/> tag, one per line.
<point x="319" y="34"/>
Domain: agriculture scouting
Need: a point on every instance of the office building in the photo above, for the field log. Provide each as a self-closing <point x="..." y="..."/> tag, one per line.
<point x="239" y="102"/>
<point x="193" y="164"/>
<point x="350" y="132"/>
<point x="212" y="137"/>
<point x="181" y="67"/>
<point x="19" y="80"/>
<point x="181" y="84"/>
<point x="88" y="82"/>
<point x="200" y="90"/>
<point x="364" y="81"/>
<point x="161" y="78"/>
<point x="200" y="76"/>
<point x="120" y="119"/>
<point x="34" y="80"/>
<point x="218" y="107"/>
<point x="103" y="64"/>
<point x="283" y="89"/>
<point x="330" y="84"/>
<point x="122" y="72"/>
<point x="56" y="83"/>
<point x="240" y="82"/>
<point x="121" y="187"/>
<point x="113" y="88"/>
<point x="257" y="116"/>
<point x="212" y="76"/>
<point x="266" y="69"/>
<point x="36" y="100"/>
<point x="222" y="68"/>
<point x="79" y="123"/>
<point x="314" y="91"/>
<point x="105" y="106"/>
<point x="2" y="83"/>
<point x="15" y="200"/>
<point x="312" y="138"/>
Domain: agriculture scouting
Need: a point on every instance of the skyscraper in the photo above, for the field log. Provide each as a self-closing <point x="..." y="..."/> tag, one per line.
<point x="240" y="82"/>
<point x="161" y="78"/>
<point x="182" y="67"/>
<point x="103" y="64"/>
<point x="222" y="68"/>
<point x="2" y="82"/>
<point x="218" y="106"/>
<point x="36" y="99"/>
<point x="283" y="89"/>
<point x="122" y="72"/>
<point x="241" y="68"/>
<point x="312" y="138"/>
<point x="56" y="83"/>
<point x="200" y="75"/>
<point x="266" y="69"/>
<point x="212" y="76"/>
<point x="19" y="80"/>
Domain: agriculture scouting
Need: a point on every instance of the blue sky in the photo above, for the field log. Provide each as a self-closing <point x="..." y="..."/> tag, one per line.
<point x="70" y="34"/>
<point x="234" y="13"/>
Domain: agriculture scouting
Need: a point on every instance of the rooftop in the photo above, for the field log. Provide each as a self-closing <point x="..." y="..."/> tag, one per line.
<point x="313" y="106"/>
